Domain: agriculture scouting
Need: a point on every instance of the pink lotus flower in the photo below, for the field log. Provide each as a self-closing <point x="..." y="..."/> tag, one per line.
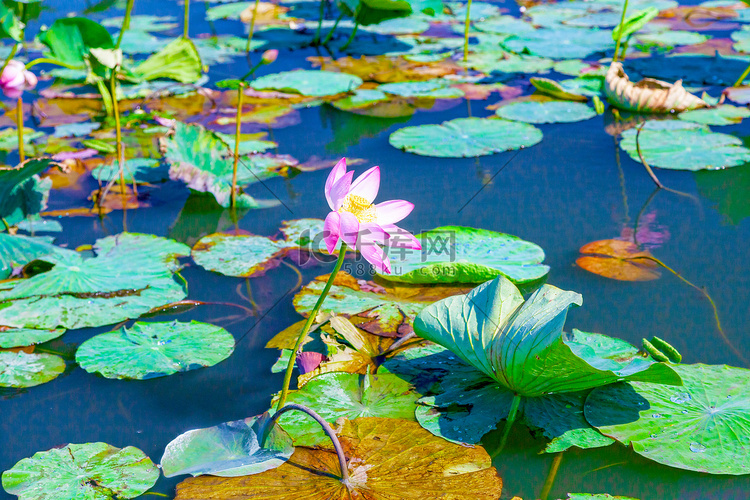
<point x="359" y="223"/>
<point x="15" y="79"/>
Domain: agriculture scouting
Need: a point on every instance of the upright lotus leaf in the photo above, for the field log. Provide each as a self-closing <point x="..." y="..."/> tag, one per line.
<point x="198" y="157"/>
<point x="680" y="145"/>
<point x="456" y="254"/>
<point x="228" y="450"/>
<point x="391" y="309"/>
<point x="10" y="25"/>
<point x="148" y="350"/>
<point x="19" y="369"/>
<point x="249" y="255"/>
<point x="703" y="426"/>
<point x="308" y="82"/>
<point x="648" y="95"/>
<point x="723" y="114"/>
<point x="19" y="195"/>
<point x="521" y="345"/>
<point x="465" y="137"/>
<point x="21" y="337"/>
<point x="95" y="471"/>
<point x="131" y="274"/>
<point x="18" y="250"/>
<point x="387" y="458"/>
<point x="546" y="112"/>
<point x="349" y="395"/>
<point x="633" y="23"/>
<point x="619" y="260"/>
<point x="179" y="60"/>
<point x="70" y="39"/>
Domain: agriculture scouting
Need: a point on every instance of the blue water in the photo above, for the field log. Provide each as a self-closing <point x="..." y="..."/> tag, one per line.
<point x="560" y="194"/>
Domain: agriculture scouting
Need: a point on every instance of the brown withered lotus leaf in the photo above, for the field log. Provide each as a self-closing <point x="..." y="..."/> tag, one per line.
<point x="385" y="69"/>
<point x="387" y="459"/>
<point x="648" y="95"/>
<point x="618" y="260"/>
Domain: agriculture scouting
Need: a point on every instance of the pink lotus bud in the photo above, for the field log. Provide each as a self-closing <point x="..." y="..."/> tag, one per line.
<point x="15" y="79"/>
<point x="308" y="361"/>
<point x="269" y="56"/>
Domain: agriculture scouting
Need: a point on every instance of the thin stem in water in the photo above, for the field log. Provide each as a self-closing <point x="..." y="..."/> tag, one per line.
<point x="512" y="414"/>
<point x="742" y="77"/>
<point x="125" y="23"/>
<point x="19" y="126"/>
<point x="622" y="21"/>
<point x="252" y="26"/>
<point x="316" y="40"/>
<point x="326" y="427"/>
<point x="118" y="130"/>
<point x="240" y="93"/>
<point x="466" y="31"/>
<point x="308" y="324"/>
<point x="551" y="476"/>
<point x="186" y="22"/>
<point x="10" y="57"/>
<point x="354" y="32"/>
<point x="335" y="25"/>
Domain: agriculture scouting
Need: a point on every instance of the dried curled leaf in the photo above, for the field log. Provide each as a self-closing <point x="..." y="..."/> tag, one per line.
<point x="648" y="95"/>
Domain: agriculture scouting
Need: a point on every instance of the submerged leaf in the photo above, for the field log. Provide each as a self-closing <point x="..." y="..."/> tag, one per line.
<point x="93" y="471"/>
<point x="618" y="260"/>
<point x="386" y="458"/>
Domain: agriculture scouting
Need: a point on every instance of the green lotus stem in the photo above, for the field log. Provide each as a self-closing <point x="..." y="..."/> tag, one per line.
<point x="466" y="31"/>
<point x="5" y="223"/>
<point x="46" y="60"/>
<point x="335" y="25"/>
<point x="10" y="57"/>
<point x="125" y="22"/>
<point x="240" y="93"/>
<point x="354" y="32"/>
<point x="326" y="427"/>
<point x="316" y="39"/>
<point x="739" y="80"/>
<point x="252" y="26"/>
<point x="308" y="324"/>
<point x="509" y="423"/>
<point x="187" y="20"/>
<point x="118" y="130"/>
<point x="19" y="126"/>
<point x="650" y="170"/>
<point x="622" y="22"/>
<point x="551" y="476"/>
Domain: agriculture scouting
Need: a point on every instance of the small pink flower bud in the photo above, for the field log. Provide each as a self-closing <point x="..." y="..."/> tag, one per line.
<point x="269" y="56"/>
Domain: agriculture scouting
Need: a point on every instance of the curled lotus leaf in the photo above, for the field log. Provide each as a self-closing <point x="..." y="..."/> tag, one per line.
<point x="648" y="95"/>
<point x="20" y="369"/>
<point x="520" y="344"/>
<point x="228" y="450"/>
<point x="703" y="425"/>
<point x="95" y="471"/>
<point x="148" y="350"/>
<point x="386" y="458"/>
<point x="456" y="254"/>
<point x="554" y="89"/>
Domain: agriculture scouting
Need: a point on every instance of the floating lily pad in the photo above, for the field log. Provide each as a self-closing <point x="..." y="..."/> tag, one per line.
<point x="680" y="145"/>
<point x="437" y="89"/>
<point x="504" y="25"/>
<point x="465" y="137"/>
<point x="618" y="260"/>
<point x="546" y="112"/>
<point x="228" y="450"/>
<point x="672" y="38"/>
<point x="18" y="250"/>
<point x="19" y="369"/>
<point x="21" y="337"/>
<point x="144" y="22"/>
<point x="93" y="470"/>
<point x="248" y="255"/>
<point x="455" y="254"/>
<point x="386" y="459"/>
<point x="349" y="395"/>
<point x="143" y="170"/>
<point x="308" y="82"/>
<point x="596" y="496"/>
<point x="131" y="274"/>
<point x="148" y="350"/>
<point x="703" y="425"/>
<point x="724" y="114"/>
<point x="360" y="99"/>
<point x="562" y="43"/>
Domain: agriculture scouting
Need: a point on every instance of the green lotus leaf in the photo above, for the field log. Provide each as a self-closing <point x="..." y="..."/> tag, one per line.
<point x="672" y="38"/>
<point x="141" y="42"/>
<point x="19" y="369"/>
<point x="465" y="137"/>
<point x="478" y="11"/>
<point x="562" y="43"/>
<point x="36" y="224"/>
<point x="634" y="23"/>
<point x="144" y="22"/>
<point x="21" y="193"/>
<point x="178" y="60"/>
<point x="400" y="26"/>
<point x="585" y="85"/>
<point x="248" y="255"/>
<point x="546" y="112"/>
<point x="70" y="39"/>
<point x="9" y="138"/>
<point x="228" y="450"/>
<point x="10" y="25"/>
<point x="703" y="426"/>
<point x="149" y="350"/>
<point x="227" y="11"/>
<point x="21" y="337"/>
<point x="349" y="395"/>
<point x="141" y="170"/>
<point x="198" y="157"/>
<point x="94" y="471"/>
<point x="131" y="274"/>
<point x="437" y="89"/>
<point x="680" y="145"/>
<point x="19" y="250"/>
<point x="247" y="145"/>
<point x="723" y="114"/>
<point x="308" y="82"/>
<point x="521" y="345"/>
<point x="554" y="89"/>
<point x="507" y="62"/>
<point x="360" y="99"/>
<point x="455" y="254"/>
<point x="504" y="25"/>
